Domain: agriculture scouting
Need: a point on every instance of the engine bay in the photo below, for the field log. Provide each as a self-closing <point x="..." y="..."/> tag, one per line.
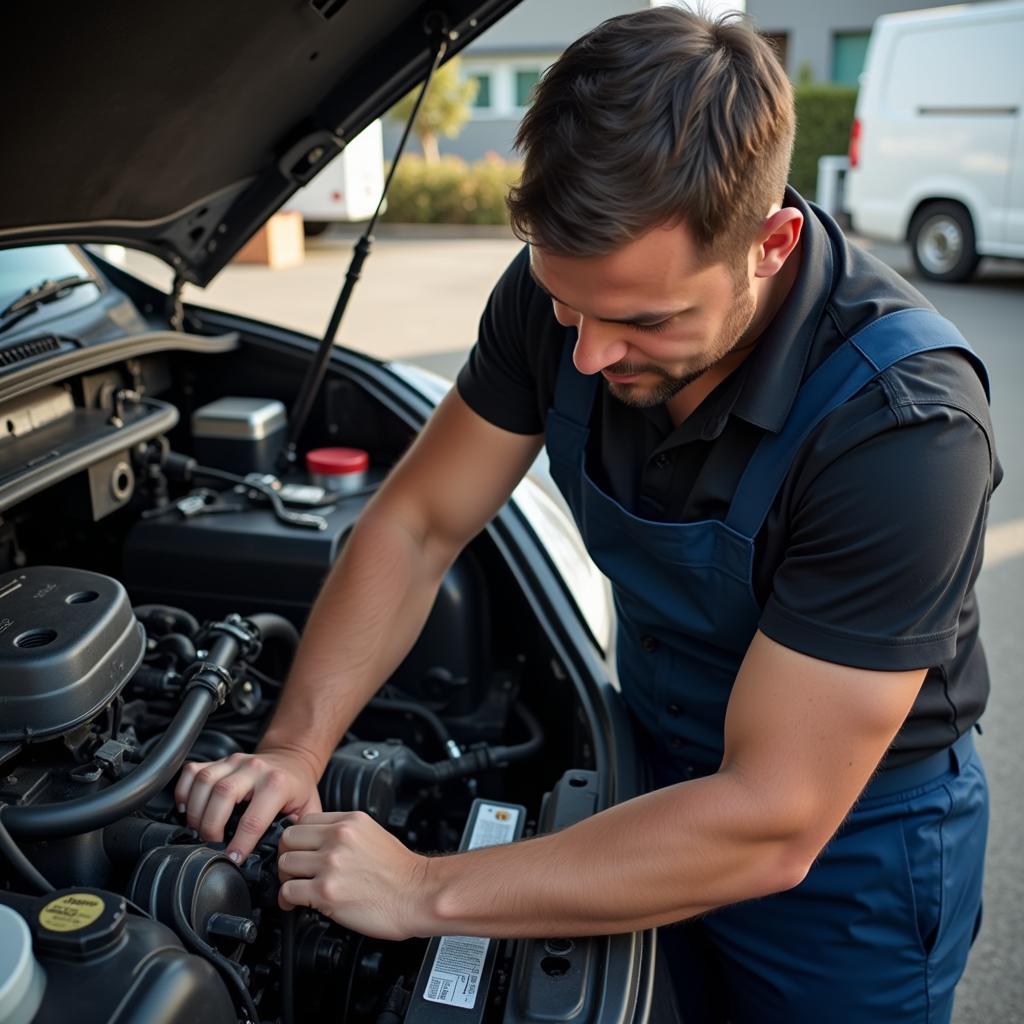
<point x="150" y="605"/>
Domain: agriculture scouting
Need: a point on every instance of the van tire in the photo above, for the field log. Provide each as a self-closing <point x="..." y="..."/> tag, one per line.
<point x="315" y="228"/>
<point x="942" y="242"/>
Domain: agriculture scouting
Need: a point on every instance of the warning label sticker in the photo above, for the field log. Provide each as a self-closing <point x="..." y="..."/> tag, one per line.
<point x="455" y="977"/>
<point x="459" y="964"/>
<point x="71" y="912"/>
<point x="494" y="825"/>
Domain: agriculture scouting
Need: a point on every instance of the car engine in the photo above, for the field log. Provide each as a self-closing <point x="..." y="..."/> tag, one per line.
<point x="154" y="579"/>
<point x="124" y="905"/>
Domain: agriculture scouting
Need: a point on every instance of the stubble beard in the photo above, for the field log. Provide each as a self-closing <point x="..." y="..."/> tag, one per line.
<point x="733" y="330"/>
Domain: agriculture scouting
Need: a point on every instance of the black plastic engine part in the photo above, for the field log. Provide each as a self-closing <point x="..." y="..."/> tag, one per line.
<point x="558" y="978"/>
<point x="106" y="963"/>
<point x="201" y="884"/>
<point x="367" y="777"/>
<point x="454" y="982"/>
<point x="69" y="642"/>
<point x="128" y="839"/>
<point x="247" y="561"/>
<point x="374" y="777"/>
<point x="207" y="684"/>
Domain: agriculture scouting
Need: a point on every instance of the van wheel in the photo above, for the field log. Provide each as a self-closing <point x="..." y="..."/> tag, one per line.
<point x="315" y="228"/>
<point x="942" y="243"/>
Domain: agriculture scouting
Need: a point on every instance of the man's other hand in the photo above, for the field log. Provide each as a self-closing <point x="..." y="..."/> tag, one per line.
<point x="350" y="869"/>
<point x="273" y="782"/>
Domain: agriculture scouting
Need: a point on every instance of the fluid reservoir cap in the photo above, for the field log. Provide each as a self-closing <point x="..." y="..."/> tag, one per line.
<point x="76" y="924"/>
<point x="337" y="461"/>
<point x="21" y="978"/>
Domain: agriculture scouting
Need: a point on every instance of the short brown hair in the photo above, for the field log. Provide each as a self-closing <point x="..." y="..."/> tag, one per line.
<point x="652" y="118"/>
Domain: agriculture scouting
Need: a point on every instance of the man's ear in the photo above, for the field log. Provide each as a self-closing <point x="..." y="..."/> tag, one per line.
<point x="777" y="238"/>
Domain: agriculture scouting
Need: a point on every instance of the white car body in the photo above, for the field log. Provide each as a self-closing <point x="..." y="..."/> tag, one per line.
<point x="349" y="187"/>
<point x="939" y="120"/>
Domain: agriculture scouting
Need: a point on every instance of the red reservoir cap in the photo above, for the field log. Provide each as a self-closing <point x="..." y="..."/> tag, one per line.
<point x="337" y="461"/>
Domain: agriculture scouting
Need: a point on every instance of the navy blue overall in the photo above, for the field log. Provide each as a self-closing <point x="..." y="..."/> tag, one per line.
<point x="880" y="929"/>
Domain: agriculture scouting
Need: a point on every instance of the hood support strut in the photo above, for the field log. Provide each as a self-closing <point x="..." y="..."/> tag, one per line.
<point x="436" y="27"/>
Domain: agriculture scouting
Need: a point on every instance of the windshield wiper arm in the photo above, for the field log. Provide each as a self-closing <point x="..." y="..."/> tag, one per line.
<point x="46" y="291"/>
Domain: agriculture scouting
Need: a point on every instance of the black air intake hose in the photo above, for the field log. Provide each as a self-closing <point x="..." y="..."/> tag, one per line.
<point x="275" y="627"/>
<point x="121" y="798"/>
<point x="160" y="619"/>
<point x="370" y="776"/>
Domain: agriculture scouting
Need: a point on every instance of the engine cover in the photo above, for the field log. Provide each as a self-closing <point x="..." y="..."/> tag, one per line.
<point x="69" y="641"/>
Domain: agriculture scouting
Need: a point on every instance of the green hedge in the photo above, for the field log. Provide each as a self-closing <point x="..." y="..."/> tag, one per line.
<point x="824" y="114"/>
<point x="454" y="192"/>
<point x="451" y="192"/>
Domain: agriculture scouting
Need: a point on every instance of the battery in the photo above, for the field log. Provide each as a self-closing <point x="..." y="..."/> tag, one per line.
<point x="241" y="435"/>
<point x="453" y="982"/>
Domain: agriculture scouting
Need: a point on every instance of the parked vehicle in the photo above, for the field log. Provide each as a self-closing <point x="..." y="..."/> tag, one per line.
<point x="154" y="574"/>
<point x="348" y="188"/>
<point x="937" y="146"/>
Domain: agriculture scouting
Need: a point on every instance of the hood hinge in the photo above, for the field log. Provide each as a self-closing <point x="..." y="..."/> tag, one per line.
<point x="175" y="309"/>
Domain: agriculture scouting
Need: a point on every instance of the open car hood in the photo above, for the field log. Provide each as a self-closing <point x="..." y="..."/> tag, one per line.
<point x="179" y="127"/>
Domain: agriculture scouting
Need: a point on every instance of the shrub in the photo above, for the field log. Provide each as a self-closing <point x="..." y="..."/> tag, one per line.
<point x="824" y="114"/>
<point x="450" y="192"/>
<point x="455" y="192"/>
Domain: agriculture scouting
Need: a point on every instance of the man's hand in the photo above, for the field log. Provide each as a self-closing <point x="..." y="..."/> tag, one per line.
<point x="347" y="867"/>
<point x="273" y="781"/>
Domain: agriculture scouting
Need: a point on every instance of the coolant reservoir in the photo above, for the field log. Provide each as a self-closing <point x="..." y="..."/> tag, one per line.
<point x="22" y="981"/>
<point x="339" y="470"/>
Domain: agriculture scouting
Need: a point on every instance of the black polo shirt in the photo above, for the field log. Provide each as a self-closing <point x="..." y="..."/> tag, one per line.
<point x="870" y="552"/>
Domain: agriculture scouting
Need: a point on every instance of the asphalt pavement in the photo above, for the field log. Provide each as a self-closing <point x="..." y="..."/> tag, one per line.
<point x="420" y="299"/>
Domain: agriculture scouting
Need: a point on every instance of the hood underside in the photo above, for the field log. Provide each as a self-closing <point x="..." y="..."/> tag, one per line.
<point x="179" y="127"/>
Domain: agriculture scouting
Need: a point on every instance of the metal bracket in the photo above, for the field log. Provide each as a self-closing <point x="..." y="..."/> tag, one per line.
<point x="176" y="311"/>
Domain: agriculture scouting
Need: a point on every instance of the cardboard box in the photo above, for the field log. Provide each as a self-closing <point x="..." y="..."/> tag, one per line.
<point x="279" y="243"/>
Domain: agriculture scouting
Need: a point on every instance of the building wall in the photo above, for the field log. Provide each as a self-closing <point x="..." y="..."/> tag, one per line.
<point x="811" y="28"/>
<point x="523" y="43"/>
<point x="549" y="24"/>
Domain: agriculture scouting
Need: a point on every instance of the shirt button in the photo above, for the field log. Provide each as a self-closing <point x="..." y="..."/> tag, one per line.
<point x="675" y="742"/>
<point x="673" y="710"/>
<point x="661" y="461"/>
<point x="649" y="643"/>
<point x="689" y="770"/>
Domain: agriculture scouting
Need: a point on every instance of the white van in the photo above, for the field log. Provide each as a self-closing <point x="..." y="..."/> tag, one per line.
<point x="348" y="188"/>
<point x="937" y="147"/>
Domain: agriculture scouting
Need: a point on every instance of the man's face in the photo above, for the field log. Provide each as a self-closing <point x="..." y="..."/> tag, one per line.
<point x="650" y="317"/>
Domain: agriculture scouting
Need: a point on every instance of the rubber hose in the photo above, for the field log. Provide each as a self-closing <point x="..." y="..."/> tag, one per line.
<point x="178" y="645"/>
<point x="411" y="708"/>
<point x="19" y="861"/>
<point x="213" y="745"/>
<point x="275" y="627"/>
<point x="97" y="810"/>
<point x="526" y="749"/>
<point x="177" y="618"/>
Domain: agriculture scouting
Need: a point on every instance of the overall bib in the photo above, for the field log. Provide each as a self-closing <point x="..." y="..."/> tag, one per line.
<point x="880" y="929"/>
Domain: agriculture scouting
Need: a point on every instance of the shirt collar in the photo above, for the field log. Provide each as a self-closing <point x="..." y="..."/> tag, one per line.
<point x="775" y="369"/>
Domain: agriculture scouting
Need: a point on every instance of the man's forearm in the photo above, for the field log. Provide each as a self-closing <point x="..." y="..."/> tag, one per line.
<point x="671" y="854"/>
<point x="366" y="618"/>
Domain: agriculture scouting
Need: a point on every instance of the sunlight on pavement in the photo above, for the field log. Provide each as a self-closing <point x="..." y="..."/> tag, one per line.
<point x="1003" y="542"/>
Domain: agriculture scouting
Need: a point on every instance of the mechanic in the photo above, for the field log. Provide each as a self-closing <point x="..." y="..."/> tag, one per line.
<point x="782" y="458"/>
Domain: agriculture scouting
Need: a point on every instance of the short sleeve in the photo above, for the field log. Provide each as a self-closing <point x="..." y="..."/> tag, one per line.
<point x="886" y="541"/>
<point x="498" y="380"/>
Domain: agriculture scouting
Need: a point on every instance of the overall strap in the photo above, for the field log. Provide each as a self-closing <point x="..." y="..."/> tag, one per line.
<point x="574" y="391"/>
<point x="860" y="359"/>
